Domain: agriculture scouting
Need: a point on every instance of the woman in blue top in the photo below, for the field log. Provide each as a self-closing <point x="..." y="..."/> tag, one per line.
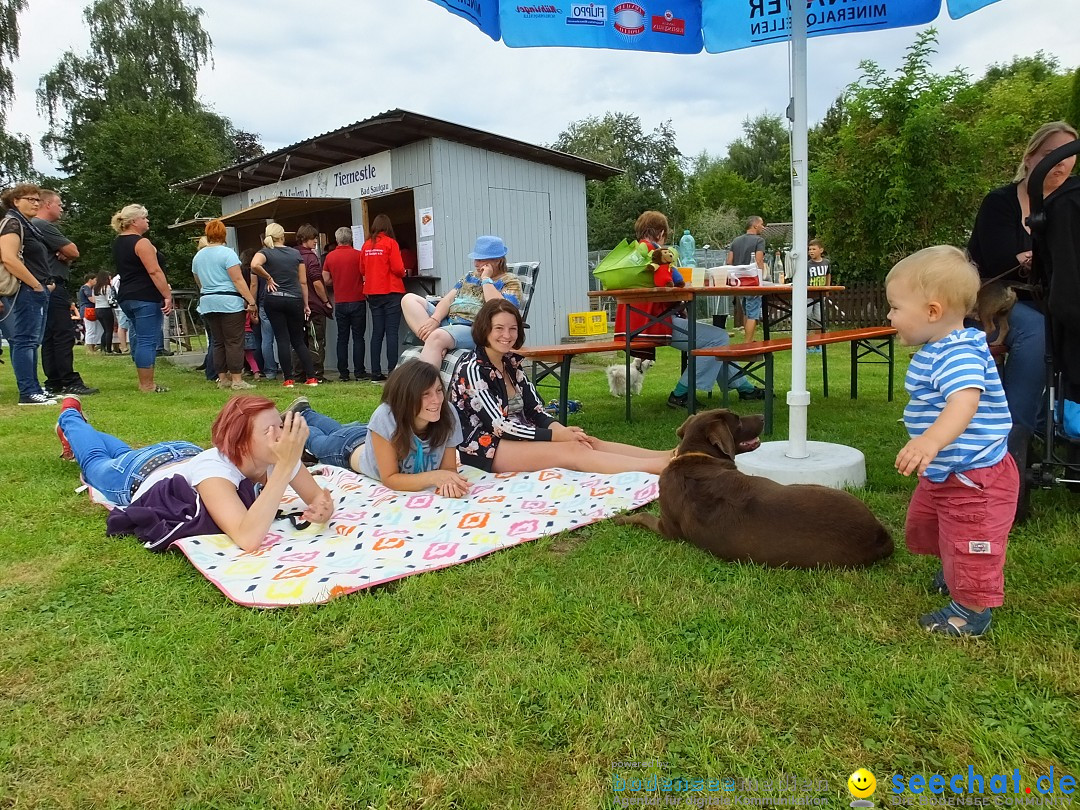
<point x="410" y="442"/>
<point x="224" y="302"/>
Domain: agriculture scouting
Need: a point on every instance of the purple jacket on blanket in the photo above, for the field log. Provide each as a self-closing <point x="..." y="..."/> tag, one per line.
<point x="168" y="511"/>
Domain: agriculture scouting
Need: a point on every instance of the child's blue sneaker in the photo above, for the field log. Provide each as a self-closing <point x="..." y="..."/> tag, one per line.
<point x="814" y="350"/>
<point x="939" y="585"/>
<point x="956" y="620"/>
<point x="572" y="406"/>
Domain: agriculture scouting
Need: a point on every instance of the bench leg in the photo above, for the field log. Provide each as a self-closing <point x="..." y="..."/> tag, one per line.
<point x="724" y="383"/>
<point x="854" y="369"/>
<point x="891" y="366"/>
<point x="825" y="370"/>
<point x="564" y="388"/>
<point x="768" y="393"/>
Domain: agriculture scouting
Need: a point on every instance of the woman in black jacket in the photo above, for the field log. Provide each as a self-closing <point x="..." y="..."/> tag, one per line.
<point x="1001" y="248"/>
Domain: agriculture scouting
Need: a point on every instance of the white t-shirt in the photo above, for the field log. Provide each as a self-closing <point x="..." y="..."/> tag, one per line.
<point x="423" y="458"/>
<point x="208" y="464"/>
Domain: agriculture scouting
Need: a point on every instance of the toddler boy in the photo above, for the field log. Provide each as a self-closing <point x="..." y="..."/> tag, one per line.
<point x="958" y="421"/>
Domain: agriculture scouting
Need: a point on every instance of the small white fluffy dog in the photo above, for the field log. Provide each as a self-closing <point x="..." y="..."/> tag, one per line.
<point x="616" y="376"/>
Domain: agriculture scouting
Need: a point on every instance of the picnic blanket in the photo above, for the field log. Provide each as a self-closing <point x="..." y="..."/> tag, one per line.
<point x="378" y="535"/>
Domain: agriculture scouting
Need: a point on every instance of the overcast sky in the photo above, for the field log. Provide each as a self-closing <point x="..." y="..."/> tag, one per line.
<point x="289" y="70"/>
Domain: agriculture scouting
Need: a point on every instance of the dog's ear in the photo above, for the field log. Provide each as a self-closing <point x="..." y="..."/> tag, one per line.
<point x="721" y="432"/>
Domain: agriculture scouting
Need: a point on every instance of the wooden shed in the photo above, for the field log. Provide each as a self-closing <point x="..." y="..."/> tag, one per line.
<point x="442" y="185"/>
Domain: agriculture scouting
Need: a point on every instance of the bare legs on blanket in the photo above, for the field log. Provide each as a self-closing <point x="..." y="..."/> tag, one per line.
<point x="602" y="457"/>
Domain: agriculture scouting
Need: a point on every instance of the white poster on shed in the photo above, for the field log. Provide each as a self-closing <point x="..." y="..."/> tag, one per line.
<point x="425" y="255"/>
<point x="427" y="221"/>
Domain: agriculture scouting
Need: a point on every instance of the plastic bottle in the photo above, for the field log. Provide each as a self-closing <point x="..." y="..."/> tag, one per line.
<point x="687" y="250"/>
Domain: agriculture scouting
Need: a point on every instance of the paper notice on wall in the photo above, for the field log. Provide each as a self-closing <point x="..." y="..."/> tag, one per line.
<point x="425" y="255"/>
<point x="427" y="222"/>
<point x="357" y="236"/>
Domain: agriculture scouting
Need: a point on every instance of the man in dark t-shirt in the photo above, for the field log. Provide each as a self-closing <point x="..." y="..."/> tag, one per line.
<point x="58" y="344"/>
<point x="750" y="249"/>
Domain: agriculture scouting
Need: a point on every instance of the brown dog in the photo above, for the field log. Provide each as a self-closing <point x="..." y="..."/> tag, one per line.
<point x="706" y="501"/>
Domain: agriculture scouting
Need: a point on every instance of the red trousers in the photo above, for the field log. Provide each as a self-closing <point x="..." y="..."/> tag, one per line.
<point x="967" y="526"/>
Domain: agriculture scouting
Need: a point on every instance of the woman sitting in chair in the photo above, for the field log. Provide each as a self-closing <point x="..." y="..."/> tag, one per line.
<point x="503" y="420"/>
<point x="448" y="324"/>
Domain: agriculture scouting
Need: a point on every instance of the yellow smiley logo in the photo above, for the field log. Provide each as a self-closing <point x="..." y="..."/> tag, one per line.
<point x="861" y="784"/>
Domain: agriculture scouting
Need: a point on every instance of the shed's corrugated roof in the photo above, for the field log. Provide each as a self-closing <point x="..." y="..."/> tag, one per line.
<point x="388" y="130"/>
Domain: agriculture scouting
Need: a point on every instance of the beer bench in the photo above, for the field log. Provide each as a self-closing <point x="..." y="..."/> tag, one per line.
<point x="554" y="361"/>
<point x="873" y="344"/>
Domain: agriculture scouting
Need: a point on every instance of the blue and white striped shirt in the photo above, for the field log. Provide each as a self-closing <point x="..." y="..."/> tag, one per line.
<point x="938" y="370"/>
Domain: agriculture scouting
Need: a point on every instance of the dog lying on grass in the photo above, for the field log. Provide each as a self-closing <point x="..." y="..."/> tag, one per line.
<point x="616" y="377"/>
<point x="706" y="501"/>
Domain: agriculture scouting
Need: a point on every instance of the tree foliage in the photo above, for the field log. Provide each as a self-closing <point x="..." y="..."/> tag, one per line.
<point x="653" y="166"/>
<point x="16" y="156"/>
<point x="913" y="154"/>
<point x="126" y="124"/>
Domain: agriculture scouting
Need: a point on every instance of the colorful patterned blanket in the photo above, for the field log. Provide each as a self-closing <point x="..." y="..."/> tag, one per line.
<point x="378" y="535"/>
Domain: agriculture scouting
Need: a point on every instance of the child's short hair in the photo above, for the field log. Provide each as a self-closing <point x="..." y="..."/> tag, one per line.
<point x="650" y="225"/>
<point x="941" y="273"/>
<point x="817" y="243"/>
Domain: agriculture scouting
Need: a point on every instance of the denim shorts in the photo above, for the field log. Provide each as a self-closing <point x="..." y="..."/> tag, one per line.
<point x="460" y="332"/>
<point x="752" y="306"/>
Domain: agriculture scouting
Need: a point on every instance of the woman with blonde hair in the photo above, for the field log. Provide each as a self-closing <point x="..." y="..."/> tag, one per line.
<point x="286" y="302"/>
<point x="22" y="315"/>
<point x="144" y="294"/>
<point x="224" y="303"/>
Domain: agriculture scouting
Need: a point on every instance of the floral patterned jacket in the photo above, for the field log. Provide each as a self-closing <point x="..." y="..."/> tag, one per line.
<point x="478" y="393"/>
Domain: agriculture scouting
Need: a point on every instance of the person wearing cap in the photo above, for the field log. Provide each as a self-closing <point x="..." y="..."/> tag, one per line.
<point x="448" y="324"/>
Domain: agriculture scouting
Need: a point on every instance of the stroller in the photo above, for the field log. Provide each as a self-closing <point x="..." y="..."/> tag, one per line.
<point x="1055" y="264"/>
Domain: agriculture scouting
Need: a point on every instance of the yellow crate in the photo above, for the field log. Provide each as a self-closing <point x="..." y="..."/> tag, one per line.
<point x="588" y="323"/>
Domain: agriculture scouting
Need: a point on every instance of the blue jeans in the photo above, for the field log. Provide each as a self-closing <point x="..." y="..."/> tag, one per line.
<point x="24" y="328"/>
<point x="1024" y="377"/>
<point x="385" y="324"/>
<point x="708" y="368"/>
<point x="208" y="360"/>
<point x="144" y="336"/>
<point x="351" y="317"/>
<point x="266" y="335"/>
<point x="109" y="465"/>
<point x="332" y="442"/>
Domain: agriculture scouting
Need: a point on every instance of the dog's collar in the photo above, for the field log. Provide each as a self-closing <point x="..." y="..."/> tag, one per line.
<point x="676" y="454"/>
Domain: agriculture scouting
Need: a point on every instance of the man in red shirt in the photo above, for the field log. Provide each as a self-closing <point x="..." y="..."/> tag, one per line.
<point x="341" y="271"/>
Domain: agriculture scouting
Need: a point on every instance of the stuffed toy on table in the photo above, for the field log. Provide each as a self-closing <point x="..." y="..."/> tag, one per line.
<point x="665" y="273"/>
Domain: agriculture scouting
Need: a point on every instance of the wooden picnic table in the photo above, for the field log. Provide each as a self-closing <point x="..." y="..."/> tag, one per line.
<point x="676" y="297"/>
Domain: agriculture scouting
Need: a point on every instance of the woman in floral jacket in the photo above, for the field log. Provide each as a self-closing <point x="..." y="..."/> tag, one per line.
<point x="503" y="421"/>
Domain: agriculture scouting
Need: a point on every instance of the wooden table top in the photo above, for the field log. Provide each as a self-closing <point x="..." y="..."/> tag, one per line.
<point x="664" y="294"/>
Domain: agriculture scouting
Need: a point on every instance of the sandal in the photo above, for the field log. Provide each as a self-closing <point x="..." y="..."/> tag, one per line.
<point x="956" y="620"/>
<point x="157" y="389"/>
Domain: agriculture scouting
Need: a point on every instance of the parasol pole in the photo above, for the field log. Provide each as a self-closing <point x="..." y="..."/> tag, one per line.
<point x="798" y="397"/>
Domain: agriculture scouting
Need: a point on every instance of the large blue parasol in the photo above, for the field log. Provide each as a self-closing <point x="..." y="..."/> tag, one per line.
<point x="687" y="26"/>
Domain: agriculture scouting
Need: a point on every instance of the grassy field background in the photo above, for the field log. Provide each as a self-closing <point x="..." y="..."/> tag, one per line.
<point x="524" y="679"/>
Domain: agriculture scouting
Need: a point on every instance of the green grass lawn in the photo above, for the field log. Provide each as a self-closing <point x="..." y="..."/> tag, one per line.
<point x="519" y="680"/>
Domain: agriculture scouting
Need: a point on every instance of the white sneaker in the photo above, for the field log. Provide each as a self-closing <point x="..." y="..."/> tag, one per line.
<point x="37" y="399"/>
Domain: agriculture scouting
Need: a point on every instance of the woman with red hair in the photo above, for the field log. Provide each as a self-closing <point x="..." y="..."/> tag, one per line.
<point x="171" y="490"/>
